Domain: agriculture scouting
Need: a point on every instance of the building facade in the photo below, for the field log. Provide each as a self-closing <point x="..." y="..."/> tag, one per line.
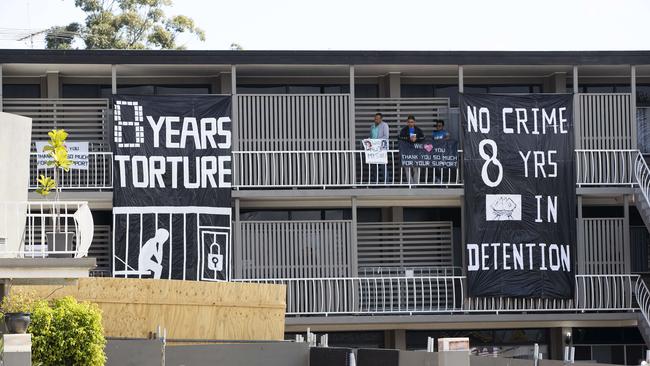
<point x="378" y="263"/>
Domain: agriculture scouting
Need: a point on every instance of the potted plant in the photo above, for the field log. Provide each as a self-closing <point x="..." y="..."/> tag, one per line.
<point x="57" y="240"/>
<point x="16" y="310"/>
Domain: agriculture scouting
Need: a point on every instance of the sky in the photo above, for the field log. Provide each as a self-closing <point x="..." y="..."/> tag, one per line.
<point x="379" y="24"/>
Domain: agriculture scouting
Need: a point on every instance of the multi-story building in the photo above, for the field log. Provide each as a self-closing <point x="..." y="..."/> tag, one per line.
<point x="379" y="264"/>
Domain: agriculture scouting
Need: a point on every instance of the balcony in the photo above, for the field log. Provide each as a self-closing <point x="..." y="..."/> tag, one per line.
<point x="45" y="242"/>
<point x="48" y="229"/>
<point x="280" y="143"/>
<point x="446" y="294"/>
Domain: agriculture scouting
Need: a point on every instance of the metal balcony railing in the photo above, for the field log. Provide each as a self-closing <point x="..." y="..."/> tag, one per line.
<point x="332" y="168"/>
<point x="98" y="176"/>
<point x="446" y="294"/>
<point x="38" y="229"/>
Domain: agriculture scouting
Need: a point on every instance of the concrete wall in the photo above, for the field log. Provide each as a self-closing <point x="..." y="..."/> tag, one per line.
<point x="15" y="142"/>
<point x="261" y="354"/>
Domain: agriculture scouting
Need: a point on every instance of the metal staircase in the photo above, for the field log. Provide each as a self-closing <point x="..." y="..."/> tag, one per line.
<point x="642" y="202"/>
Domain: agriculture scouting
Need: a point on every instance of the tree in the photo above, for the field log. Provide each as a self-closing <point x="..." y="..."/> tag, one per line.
<point x="124" y="24"/>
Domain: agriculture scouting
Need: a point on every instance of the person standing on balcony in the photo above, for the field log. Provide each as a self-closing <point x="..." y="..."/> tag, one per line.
<point x="439" y="132"/>
<point x="379" y="130"/>
<point x="411" y="134"/>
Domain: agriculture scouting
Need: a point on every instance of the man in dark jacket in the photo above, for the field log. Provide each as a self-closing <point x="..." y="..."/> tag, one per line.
<point x="411" y="133"/>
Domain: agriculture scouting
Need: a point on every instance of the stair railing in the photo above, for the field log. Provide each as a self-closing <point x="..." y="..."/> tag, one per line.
<point x="642" y="295"/>
<point x="642" y="174"/>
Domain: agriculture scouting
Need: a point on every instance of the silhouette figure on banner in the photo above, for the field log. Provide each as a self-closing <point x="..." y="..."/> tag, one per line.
<point x="151" y="254"/>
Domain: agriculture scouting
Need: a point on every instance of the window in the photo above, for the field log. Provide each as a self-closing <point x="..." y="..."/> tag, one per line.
<point x="105" y="91"/>
<point x="21" y="91"/>
<point x="360" y="90"/>
<point x="295" y="215"/>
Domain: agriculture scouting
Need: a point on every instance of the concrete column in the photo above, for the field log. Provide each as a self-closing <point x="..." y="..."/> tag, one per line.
<point x="400" y="339"/>
<point x="225" y="81"/>
<point x="461" y="82"/>
<point x="394" y="84"/>
<point x="575" y="79"/>
<point x="17" y="349"/>
<point x="559" y="82"/>
<point x="113" y="79"/>
<point x="52" y="78"/>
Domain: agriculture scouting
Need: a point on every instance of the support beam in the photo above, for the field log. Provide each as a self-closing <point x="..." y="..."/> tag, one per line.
<point x="113" y="79"/>
<point x="575" y="79"/>
<point x="460" y="79"/>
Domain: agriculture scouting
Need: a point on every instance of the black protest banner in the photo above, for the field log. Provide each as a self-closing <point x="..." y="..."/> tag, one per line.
<point x="520" y="195"/>
<point x="429" y="154"/>
<point x="172" y="179"/>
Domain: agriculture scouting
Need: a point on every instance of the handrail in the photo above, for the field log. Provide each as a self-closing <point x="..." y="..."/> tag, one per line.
<point x="642" y="295"/>
<point x="443" y="294"/>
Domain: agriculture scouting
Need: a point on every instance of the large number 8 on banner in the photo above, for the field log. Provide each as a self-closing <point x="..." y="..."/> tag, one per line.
<point x="120" y="123"/>
<point x="490" y="159"/>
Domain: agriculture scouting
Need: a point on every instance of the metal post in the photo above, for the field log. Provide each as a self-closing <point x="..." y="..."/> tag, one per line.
<point x="576" y="109"/>
<point x="580" y="239"/>
<point x="626" y="234"/>
<point x="352" y="107"/>
<point x="234" y="112"/>
<point x="236" y="247"/>
<point x="461" y="80"/>
<point x="113" y="79"/>
<point x="353" y="241"/>
<point x="633" y="106"/>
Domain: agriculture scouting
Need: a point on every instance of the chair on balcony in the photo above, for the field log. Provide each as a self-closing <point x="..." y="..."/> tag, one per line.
<point x="83" y="219"/>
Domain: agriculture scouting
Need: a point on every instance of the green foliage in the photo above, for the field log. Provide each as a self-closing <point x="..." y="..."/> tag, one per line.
<point x="57" y="150"/>
<point x="67" y="332"/>
<point x="61" y="37"/>
<point x="45" y="185"/>
<point x="17" y="302"/>
<point x="126" y="24"/>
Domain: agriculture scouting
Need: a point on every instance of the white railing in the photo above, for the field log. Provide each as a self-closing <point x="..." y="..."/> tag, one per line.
<point x="643" y="299"/>
<point x="605" y="167"/>
<point x="38" y="229"/>
<point x="443" y="294"/>
<point x="98" y="176"/>
<point x="642" y="174"/>
<point x="332" y="168"/>
<point x="371" y="295"/>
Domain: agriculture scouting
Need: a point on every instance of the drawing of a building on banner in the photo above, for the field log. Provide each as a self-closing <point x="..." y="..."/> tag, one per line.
<point x="169" y="242"/>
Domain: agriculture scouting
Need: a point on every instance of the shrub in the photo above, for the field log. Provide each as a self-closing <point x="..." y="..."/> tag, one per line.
<point x="17" y="302"/>
<point x="67" y="332"/>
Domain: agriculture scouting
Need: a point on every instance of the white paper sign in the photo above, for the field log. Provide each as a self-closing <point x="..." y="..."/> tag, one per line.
<point x="77" y="154"/>
<point x="376" y="151"/>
